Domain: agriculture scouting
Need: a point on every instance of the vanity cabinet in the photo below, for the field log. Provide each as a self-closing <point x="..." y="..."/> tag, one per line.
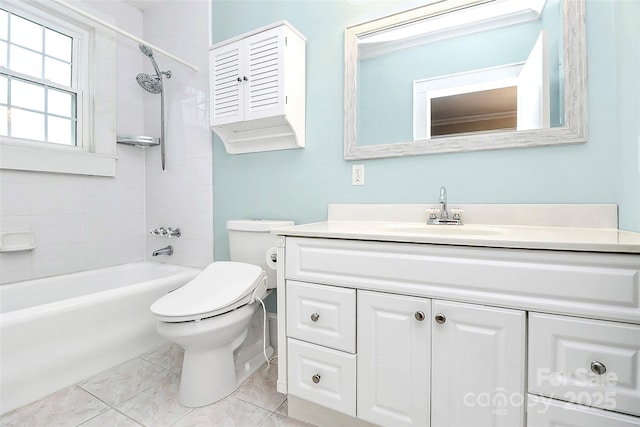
<point x="257" y="90"/>
<point x="406" y="334"/>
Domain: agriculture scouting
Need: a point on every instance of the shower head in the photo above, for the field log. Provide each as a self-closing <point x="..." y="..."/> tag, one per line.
<point x="152" y="84"/>
<point x="146" y="81"/>
<point x="146" y="50"/>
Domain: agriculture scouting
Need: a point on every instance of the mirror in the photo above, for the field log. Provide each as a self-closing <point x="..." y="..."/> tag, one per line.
<point x="422" y="82"/>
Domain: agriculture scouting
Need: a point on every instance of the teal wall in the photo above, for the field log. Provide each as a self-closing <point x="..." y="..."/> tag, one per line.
<point x="298" y="184"/>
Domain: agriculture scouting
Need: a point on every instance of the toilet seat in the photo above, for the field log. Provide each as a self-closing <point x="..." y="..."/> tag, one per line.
<point x="221" y="287"/>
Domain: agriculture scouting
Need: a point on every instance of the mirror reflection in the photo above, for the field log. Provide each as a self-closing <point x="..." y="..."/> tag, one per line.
<point x="493" y="67"/>
<point x="466" y="75"/>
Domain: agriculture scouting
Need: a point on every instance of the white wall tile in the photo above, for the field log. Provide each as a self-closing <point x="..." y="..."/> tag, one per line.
<point x="15" y="266"/>
<point x="14" y="198"/>
<point x="15" y="176"/>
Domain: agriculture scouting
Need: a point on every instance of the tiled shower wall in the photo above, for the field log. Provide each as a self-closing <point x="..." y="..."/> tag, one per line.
<point x="84" y="222"/>
<point x="79" y="222"/>
<point x="182" y="194"/>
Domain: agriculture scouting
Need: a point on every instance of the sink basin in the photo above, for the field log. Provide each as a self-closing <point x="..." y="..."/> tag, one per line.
<point x="444" y="230"/>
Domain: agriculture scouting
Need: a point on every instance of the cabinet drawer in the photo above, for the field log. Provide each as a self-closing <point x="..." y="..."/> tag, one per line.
<point x="591" y="362"/>
<point x="543" y="412"/>
<point x="323" y="376"/>
<point x="324" y="315"/>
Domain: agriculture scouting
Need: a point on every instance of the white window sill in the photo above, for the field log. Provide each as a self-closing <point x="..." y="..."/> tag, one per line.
<point x="44" y="158"/>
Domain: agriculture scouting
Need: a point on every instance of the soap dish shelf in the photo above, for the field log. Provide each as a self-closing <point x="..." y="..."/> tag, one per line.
<point x="14" y="241"/>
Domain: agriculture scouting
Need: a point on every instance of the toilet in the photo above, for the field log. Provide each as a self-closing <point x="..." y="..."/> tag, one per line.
<point x="217" y="317"/>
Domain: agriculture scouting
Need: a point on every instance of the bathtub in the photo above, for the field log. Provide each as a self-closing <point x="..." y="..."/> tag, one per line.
<point x="57" y="331"/>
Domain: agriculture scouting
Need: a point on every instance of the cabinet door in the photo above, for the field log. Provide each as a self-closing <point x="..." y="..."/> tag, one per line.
<point x="264" y="87"/>
<point x="393" y="359"/>
<point x="478" y="368"/>
<point x="227" y="99"/>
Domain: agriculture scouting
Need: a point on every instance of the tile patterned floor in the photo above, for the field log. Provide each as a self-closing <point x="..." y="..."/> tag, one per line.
<point x="143" y="392"/>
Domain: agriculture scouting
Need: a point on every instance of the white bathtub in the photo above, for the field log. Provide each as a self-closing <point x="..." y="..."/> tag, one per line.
<point x="57" y="331"/>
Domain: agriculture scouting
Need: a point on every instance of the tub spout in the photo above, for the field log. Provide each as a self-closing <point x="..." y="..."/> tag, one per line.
<point x="164" y="251"/>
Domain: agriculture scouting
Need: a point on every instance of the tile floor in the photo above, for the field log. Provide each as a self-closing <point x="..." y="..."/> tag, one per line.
<point x="143" y="392"/>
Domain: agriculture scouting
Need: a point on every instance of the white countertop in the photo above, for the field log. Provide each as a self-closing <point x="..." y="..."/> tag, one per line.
<point x="591" y="235"/>
<point x="509" y="236"/>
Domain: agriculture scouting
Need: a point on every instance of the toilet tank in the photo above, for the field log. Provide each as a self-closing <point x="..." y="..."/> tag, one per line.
<point x="249" y="241"/>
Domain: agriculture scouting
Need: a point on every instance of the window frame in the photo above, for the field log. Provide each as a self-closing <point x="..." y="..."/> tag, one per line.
<point x="93" y="61"/>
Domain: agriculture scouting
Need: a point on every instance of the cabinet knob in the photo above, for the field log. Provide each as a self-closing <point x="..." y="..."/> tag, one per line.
<point x="315" y="317"/>
<point x="245" y="79"/>
<point x="239" y="79"/>
<point x="441" y="318"/>
<point x="315" y="379"/>
<point x="598" y="367"/>
<point x="419" y="316"/>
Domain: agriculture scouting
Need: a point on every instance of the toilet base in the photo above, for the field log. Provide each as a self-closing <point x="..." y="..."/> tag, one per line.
<point x="210" y="377"/>
<point x="211" y="374"/>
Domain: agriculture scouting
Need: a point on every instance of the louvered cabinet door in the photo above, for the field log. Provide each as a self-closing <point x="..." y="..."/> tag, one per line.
<point x="227" y="101"/>
<point x="264" y="73"/>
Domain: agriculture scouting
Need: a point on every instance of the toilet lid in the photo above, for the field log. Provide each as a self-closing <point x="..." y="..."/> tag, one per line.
<point x="219" y="285"/>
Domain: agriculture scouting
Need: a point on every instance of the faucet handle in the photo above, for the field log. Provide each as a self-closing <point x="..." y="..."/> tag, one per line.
<point x="174" y="232"/>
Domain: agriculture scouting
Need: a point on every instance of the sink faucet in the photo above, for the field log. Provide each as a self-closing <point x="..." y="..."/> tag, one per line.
<point x="444" y="219"/>
<point x="164" y="251"/>
<point x="444" y="212"/>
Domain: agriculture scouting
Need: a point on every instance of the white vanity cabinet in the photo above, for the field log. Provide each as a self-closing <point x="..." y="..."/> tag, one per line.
<point x="456" y="336"/>
<point x="257" y="90"/>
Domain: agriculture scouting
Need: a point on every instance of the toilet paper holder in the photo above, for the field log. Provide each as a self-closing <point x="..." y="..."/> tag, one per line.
<point x="272" y="258"/>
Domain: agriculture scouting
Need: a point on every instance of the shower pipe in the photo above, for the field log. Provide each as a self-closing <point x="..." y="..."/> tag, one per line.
<point x="153" y="84"/>
<point x="123" y="33"/>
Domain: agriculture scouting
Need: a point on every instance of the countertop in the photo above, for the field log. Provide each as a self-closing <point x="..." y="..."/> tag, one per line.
<point x="499" y="236"/>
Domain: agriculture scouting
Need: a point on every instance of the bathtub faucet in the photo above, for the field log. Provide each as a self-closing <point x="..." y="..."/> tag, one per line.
<point x="164" y="251"/>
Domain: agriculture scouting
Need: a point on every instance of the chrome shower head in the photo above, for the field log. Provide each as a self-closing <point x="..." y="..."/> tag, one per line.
<point x="152" y="84"/>
<point x="146" y="50"/>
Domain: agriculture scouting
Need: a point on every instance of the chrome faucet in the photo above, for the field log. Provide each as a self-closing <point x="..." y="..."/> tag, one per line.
<point x="455" y="219"/>
<point x="444" y="212"/>
<point x="164" y="251"/>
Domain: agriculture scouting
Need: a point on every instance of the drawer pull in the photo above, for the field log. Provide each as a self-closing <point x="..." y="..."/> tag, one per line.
<point x="440" y="318"/>
<point x="419" y="316"/>
<point x="598" y="367"/>
<point x="314" y="318"/>
<point x="315" y="379"/>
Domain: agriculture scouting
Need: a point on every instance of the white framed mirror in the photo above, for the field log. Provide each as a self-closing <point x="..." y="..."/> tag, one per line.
<point x="411" y="88"/>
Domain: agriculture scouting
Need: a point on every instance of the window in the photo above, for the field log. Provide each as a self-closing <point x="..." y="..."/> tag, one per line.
<point x="53" y="114"/>
<point x="39" y="93"/>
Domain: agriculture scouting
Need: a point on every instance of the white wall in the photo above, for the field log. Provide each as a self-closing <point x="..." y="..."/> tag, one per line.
<point x="84" y="222"/>
<point x="181" y="195"/>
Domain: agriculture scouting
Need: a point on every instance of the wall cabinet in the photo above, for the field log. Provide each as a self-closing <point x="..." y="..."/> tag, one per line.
<point x="257" y="85"/>
<point x="404" y="334"/>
